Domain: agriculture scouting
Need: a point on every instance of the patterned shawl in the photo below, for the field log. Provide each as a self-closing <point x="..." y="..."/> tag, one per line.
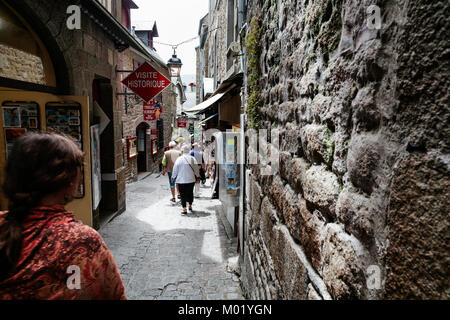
<point x="55" y="247"/>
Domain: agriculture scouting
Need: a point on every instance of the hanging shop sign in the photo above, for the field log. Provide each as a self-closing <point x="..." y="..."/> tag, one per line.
<point x="181" y="122"/>
<point x="152" y="110"/>
<point x="146" y="82"/>
<point x="149" y="113"/>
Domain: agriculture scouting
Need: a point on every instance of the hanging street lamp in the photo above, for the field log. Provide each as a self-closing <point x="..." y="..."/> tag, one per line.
<point x="174" y="64"/>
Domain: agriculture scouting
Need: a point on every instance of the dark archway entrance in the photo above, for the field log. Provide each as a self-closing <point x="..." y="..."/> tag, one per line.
<point x="143" y="154"/>
<point x="102" y="96"/>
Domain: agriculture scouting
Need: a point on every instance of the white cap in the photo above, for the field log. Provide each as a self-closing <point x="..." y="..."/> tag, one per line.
<point x="172" y="144"/>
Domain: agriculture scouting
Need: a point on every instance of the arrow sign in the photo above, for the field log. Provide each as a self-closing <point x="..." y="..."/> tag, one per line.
<point x="146" y="82"/>
<point x="104" y="120"/>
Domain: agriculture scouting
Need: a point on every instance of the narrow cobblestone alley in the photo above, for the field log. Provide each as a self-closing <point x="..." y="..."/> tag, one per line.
<point x="162" y="254"/>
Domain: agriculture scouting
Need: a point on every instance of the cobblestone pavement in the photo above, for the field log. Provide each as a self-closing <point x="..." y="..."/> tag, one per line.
<point x="162" y="254"/>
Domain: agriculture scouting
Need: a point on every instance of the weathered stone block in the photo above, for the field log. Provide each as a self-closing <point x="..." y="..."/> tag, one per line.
<point x="323" y="109"/>
<point x="355" y="212"/>
<point x="418" y="219"/>
<point x="275" y="193"/>
<point x="291" y="142"/>
<point x="287" y="111"/>
<point x="297" y="173"/>
<point x="318" y="144"/>
<point x="256" y="204"/>
<point x="304" y="226"/>
<point x="366" y="115"/>
<point x="289" y="269"/>
<point x="341" y="141"/>
<point x="285" y="167"/>
<point x="321" y="188"/>
<point x="343" y="265"/>
<point x="268" y="220"/>
<point x="363" y="158"/>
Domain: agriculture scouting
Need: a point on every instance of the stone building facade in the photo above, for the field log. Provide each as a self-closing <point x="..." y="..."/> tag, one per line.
<point x="359" y="206"/>
<point x="133" y="123"/>
<point x="84" y="62"/>
<point x="213" y="47"/>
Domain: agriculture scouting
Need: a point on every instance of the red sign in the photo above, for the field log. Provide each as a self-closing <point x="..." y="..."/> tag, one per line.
<point x="181" y="122"/>
<point x="146" y="82"/>
<point x="149" y="113"/>
<point x="152" y="111"/>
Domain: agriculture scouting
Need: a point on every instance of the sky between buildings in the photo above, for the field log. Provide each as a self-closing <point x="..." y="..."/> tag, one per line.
<point x="177" y="21"/>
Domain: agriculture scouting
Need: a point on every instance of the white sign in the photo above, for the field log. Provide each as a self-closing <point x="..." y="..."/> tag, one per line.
<point x="104" y="120"/>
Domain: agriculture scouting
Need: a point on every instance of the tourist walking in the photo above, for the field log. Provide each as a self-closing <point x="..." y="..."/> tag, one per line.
<point x="44" y="252"/>
<point x="198" y="155"/>
<point x="168" y="161"/>
<point x="185" y="173"/>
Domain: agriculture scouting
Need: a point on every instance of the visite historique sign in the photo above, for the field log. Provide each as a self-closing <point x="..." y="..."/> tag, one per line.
<point x="146" y="82"/>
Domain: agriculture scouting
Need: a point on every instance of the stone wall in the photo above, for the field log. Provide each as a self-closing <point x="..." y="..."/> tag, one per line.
<point x="20" y="65"/>
<point x="217" y="21"/>
<point x="363" y="178"/>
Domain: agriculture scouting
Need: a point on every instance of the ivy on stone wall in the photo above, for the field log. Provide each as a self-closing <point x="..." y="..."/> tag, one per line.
<point x="252" y="43"/>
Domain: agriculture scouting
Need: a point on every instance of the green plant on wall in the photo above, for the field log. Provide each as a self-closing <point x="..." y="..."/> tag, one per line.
<point x="252" y="43"/>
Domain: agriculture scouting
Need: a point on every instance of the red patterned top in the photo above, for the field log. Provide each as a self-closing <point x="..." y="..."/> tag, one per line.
<point x="56" y="248"/>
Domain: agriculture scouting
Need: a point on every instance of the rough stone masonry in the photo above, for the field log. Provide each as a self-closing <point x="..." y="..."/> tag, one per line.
<point x="364" y="159"/>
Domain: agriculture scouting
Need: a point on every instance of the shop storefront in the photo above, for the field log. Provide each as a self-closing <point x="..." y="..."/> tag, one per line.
<point x="33" y="97"/>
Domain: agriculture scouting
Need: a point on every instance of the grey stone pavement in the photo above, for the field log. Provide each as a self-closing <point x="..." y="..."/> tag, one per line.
<point x="162" y="254"/>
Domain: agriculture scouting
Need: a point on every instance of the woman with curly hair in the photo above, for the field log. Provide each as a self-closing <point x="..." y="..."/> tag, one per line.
<point x="44" y="252"/>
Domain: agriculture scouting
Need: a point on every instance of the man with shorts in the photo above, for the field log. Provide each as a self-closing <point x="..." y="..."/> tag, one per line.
<point x="170" y="156"/>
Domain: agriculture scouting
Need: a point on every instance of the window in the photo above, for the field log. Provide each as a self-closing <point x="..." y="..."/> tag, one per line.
<point x="19" y="44"/>
<point x="230" y="22"/>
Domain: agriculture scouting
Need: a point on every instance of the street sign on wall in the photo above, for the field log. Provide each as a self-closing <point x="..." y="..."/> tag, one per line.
<point x="181" y="122"/>
<point x="146" y="82"/>
<point x="152" y="110"/>
<point x="149" y="113"/>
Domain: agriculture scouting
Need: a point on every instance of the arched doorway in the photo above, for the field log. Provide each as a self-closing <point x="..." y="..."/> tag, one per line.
<point x="142" y="159"/>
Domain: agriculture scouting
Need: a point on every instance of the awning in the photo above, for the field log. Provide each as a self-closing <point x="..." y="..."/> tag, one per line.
<point x="206" y="104"/>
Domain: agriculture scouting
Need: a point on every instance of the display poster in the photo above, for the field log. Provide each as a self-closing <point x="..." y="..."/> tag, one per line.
<point x="132" y="147"/>
<point x="230" y="166"/>
<point x="18" y="119"/>
<point x="65" y="119"/>
<point x="154" y="147"/>
<point x="95" y="166"/>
